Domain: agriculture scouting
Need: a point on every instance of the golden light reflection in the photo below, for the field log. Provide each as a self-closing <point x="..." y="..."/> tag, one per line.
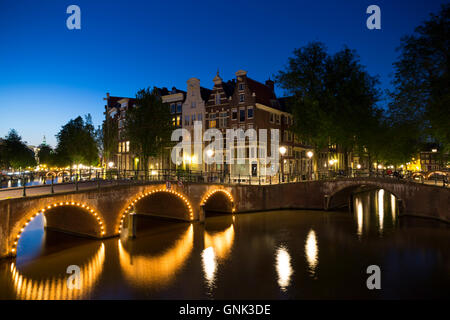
<point x="209" y="262"/>
<point x="56" y="288"/>
<point x="312" y="251"/>
<point x="381" y="208"/>
<point x="393" y="208"/>
<point x="284" y="268"/>
<point x="359" y="216"/>
<point x="221" y="242"/>
<point x="218" y="246"/>
<point x="160" y="269"/>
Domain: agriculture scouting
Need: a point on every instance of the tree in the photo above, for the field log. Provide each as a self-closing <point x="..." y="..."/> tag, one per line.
<point x="148" y="125"/>
<point x="421" y="96"/>
<point x="333" y="97"/>
<point x="108" y="137"/>
<point x="77" y="143"/>
<point x="15" y="153"/>
<point x="45" y="154"/>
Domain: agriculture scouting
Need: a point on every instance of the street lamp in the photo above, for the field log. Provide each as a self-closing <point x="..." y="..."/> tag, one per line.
<point x="310" y="154"/>
<point x="282" y="151"/>
<point x="110" y="164"/>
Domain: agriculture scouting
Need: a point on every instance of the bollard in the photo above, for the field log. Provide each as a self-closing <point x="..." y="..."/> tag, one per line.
<point x="53" y="190"/>
<point x="24" y="191"/>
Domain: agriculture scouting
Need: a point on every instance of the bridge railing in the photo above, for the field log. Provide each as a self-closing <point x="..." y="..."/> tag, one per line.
<point x="89" y="180"/>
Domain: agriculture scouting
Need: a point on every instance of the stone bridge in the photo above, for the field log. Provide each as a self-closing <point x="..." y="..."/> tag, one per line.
<point x="104" y="212"/>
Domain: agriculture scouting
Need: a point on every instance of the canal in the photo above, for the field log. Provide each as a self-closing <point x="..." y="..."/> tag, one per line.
<point x="289" y="254"/>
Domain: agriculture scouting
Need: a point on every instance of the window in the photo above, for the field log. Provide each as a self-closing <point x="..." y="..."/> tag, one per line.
<point x="172" y="108"/>
<point x="241" y="98"/>
<point x="218" y="98"/>
<point x="120" y="147"/>
<point x="212" y="123"/>
<point x="193" y="104"/>
<point x="271" y="118"/>
<point x="174" y="121"/>
<point x="234" y="114"/>
<point x="242" y="115"/>
<point x="200" y="117"/>
<point x="178" y="120"/>
<point x="250" y="113"/>
<point x="241" y="86"/>
<point x="277" y="118"/>
<point x="186" y="120"/>
<point x="127" y="146"/>
<point x="193" y="118"/>
<point x="179" y="107"/>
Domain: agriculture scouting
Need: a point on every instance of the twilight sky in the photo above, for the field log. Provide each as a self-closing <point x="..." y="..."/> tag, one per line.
<point x="49" y="74"/>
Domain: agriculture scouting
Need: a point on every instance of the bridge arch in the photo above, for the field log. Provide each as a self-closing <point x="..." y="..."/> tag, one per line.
<point x="218" y="200"/>
<point x="342" y="196"/>
<point x="188" y="210"/>
<point x="23" y="223"/>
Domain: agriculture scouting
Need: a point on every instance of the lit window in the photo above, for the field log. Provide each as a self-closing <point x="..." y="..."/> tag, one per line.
<point x="127" y="149"/>
<point x="212" y="123"/>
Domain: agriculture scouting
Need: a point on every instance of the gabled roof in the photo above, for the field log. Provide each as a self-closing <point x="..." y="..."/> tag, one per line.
<point x="228" y="87"/>
<point x="205" y="93"/>
<point x="263" y="94"/>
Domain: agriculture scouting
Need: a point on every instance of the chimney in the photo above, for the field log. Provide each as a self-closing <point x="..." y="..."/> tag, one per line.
<point x="270" y="84"/>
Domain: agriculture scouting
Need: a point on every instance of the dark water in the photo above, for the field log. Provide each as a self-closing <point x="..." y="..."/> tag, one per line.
<point x="267" y="255"/>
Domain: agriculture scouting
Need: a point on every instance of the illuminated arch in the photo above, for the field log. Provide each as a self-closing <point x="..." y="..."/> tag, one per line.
<point x="158" y="269"/>
<point x="51" y="174"/>
<point x="346" y="191"/>
<point x="62" y="173"/>
<point x="54" y="205"/>
<point x="149" y="193"/>
<point x="437" y="172"/>
<point x="210" y="193"/>
<point x="55" y="288"/>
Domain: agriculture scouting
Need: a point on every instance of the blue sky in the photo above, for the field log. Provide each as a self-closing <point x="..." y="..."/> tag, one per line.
<point x="49" y="74"/>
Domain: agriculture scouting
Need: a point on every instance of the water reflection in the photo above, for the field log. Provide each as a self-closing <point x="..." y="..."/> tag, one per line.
<point x="380" y="210"/>
<point x="55" y="288"/>
<point x="209" y="262"/>
<point x="217" y="246"/>
<point x="159" y="270"/>
<point x="312" y="251"/>
<point x="393" y="208"/>
<point x="375" y="210"/>
<point x="284" y="268"/>
<point x="359" y="216"/>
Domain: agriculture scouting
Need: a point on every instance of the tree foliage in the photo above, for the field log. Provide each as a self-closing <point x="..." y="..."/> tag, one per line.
<point x="421" y="97"/>
<point x="148" y="125"/>
<point x="15" y="153"/>
<point x="45" y="155"/>
<point x="333" y="97"/>
<point x="77" y="143"/>
<point x="107" y="137"/>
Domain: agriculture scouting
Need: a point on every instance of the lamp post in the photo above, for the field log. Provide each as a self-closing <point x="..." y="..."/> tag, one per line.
<point x="310" y="154"/>
<point x="209" y="154"/>
<point x="282" y="152"/>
